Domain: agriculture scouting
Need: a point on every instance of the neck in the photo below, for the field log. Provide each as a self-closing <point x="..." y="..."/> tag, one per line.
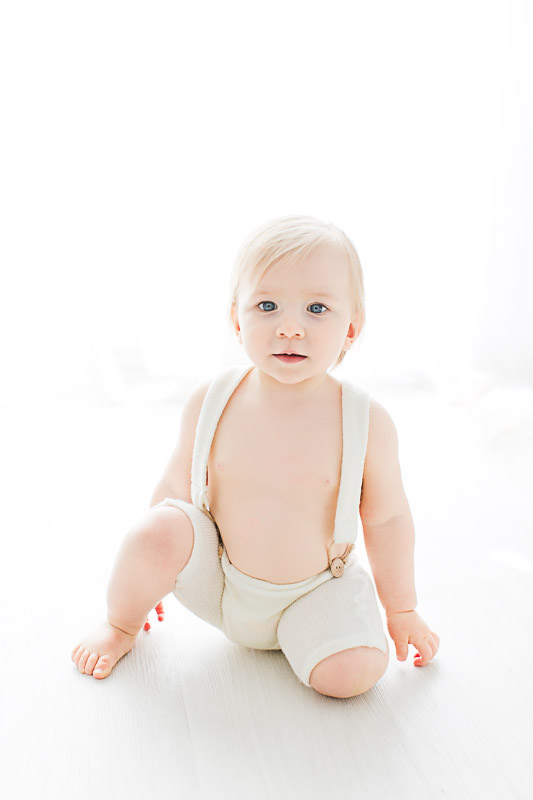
<point x="286" y="392"/>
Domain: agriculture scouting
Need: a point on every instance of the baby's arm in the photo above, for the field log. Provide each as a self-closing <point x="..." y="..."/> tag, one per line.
<point x="389" y="539"/>
<point x="176" y="478"/>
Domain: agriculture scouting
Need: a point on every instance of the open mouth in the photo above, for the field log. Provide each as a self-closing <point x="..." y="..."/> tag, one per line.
<point x="289" y="358"/>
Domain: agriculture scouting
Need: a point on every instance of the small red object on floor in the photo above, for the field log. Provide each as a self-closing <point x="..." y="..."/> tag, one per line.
<point x="160" y="611"/>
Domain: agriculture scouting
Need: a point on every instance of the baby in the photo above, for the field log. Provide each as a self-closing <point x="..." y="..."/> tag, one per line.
<point x="253" y="521"/>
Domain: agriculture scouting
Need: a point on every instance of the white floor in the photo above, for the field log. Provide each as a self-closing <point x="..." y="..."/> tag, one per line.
<point x="188" y="714"/>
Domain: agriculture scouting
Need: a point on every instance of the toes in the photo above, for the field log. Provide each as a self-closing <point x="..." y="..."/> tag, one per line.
<point x="83" y="660"/>
<point x="78" y="655"/>
<point x="102" y="668"/>
<point x="91" y="663"/>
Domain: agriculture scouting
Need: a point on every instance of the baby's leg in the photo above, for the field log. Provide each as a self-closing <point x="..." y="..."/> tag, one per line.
<point x="151" y="557"/>
<point x="349" y="672"/>
<point x="333" y="636"/>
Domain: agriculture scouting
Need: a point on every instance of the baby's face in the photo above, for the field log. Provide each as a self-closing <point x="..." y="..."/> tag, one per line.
<point x="297" y="318"/>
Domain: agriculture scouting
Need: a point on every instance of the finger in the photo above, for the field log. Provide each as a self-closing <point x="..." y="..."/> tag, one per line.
<point x="402" y="649"/>
<point x="434" y="642"/>
<point x="425" y="652"/>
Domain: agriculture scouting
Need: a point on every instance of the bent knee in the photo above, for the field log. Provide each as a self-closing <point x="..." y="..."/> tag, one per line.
<point x="350" y="672"/>
<point x="166" y="529"/>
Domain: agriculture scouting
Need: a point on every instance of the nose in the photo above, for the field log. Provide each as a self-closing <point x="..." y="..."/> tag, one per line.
<point x="289" y="328"/>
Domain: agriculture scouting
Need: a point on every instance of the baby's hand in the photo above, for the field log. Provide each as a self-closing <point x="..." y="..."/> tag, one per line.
<point x="407" y="627"/>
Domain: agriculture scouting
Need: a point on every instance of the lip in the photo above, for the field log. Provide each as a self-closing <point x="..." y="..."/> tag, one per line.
<point x="289" y="358"/>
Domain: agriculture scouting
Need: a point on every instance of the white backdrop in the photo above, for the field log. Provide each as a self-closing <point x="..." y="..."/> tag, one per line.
<point x="142" y="141"/>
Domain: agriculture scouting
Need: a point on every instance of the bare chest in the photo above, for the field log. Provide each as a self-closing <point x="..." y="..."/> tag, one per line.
<point x="295" y="453"/>
<point x="273" y="481"/>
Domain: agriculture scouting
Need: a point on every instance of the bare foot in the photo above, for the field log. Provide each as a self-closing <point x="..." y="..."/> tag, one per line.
<point x="98" y="652"/>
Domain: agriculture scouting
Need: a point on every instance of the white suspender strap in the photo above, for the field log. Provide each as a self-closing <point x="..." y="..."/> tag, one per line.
<point x="215" y="401"/>
<point x="355" y="416"/>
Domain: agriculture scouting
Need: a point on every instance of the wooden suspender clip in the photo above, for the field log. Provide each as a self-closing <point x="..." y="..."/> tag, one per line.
<point x="338" y="563"/>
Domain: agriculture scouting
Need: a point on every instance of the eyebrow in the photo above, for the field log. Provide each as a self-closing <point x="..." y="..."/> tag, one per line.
<point x="325" y="294"/>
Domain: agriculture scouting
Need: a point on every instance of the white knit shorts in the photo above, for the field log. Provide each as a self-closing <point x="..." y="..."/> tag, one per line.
<point x="308" y="620"/>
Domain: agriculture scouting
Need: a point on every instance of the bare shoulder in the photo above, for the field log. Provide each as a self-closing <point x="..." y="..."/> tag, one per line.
<point x="382" y="434"/>
<point x="176" y="478"/>
<point x="193" y="406"/>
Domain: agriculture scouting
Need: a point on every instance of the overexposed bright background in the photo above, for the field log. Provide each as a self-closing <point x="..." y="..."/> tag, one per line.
<point x="142" y="141"/>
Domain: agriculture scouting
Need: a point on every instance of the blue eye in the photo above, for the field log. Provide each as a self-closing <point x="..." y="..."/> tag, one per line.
<point x="317" y="308"/>
<point x="267" y="305"/>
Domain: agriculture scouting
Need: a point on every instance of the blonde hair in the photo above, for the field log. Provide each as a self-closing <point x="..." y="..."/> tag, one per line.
<point x="293" y="238"/>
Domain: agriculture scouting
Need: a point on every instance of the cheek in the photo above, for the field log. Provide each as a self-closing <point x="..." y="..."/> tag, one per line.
<point x="335" y="337"/>
<point x="252" y="325"/>
<point x="252" y="332"/>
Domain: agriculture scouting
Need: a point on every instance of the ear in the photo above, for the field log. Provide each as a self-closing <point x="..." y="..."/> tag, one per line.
<point x="235" y="320"/>
<point x="352" y="334"/>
